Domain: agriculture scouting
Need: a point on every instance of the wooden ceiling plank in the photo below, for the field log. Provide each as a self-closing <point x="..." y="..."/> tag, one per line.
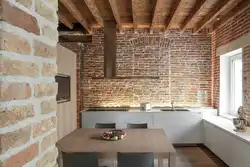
<point x="174" y="8"/>
<point x="237" y="9"/>
<point x="219" y="7"/>
<point x="71" y="7"/>
<point x="198" y="6"/>
<point x="95" y="12"/>
<point x="116" y="14"/>
<point x="65" y="20"/>
<point x="157" y="6"/>
<point x="135" y="22"/>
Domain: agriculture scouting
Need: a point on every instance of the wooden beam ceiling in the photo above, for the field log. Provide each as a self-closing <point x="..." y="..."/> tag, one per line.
<point x="154" y="19"/>
<point x="237" y="9"/>
<point x="198" y="6"/>
<point x="70" y="13"/>
<point x="95" y="12"/>
<point x="116" y="14"/>
<point x="219" y="7"/>
<point x="135" y="22"/>
<point x="65" y="20"/>
<point x="172" y="14"/>
<point x="72" y="8"/>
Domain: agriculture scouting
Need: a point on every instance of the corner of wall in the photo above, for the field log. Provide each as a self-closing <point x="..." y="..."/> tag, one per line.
<point x="28" y="122"/>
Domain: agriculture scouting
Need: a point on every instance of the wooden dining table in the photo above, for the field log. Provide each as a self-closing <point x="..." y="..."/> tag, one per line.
<point x="136" y="141"/>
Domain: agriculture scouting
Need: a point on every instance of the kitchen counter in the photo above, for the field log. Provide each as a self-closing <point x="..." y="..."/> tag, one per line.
<point x="154" y="109"/>
<point x="158" y="109"/>
<point x="180" y="126"/>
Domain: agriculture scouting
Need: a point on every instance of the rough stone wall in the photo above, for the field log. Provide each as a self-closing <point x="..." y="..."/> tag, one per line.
<point x="77" y="48"/>
<point x="232" y="30"/>
<point x="28" y="122"/>
<point x="183" y="68"/>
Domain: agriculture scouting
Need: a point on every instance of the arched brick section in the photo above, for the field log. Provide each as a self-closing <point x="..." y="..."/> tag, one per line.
<point x="153" y="41"/>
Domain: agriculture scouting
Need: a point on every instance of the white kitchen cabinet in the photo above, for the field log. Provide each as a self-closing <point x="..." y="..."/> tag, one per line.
<point x="228" y="147"/>
<point x="180" y="127"/>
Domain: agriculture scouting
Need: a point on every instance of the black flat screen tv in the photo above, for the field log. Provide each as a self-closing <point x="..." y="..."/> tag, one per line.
<point x="63" y="94"/>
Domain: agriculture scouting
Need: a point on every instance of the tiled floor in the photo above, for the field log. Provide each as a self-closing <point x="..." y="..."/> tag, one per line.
<point x="197" y="157"/>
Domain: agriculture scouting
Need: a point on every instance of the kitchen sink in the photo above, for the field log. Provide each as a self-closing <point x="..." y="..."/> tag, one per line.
<point x="175" y="109"/>
<point x="108" y="109"/>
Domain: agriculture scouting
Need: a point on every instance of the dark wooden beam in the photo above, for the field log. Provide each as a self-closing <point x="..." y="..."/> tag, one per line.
<point x="70" y="36"/>
<point x="95" y="12"/>
<point x="199" y="4"/>
<point x="64" y="16"/>
<point x="219" y="7"/>
<point x="155" y="15"/>
<point x="135" y="21"/>
<point x="172" y="14"/>
<point x="65" y="20"/>
<point x="237" y="9"/>
<point x="72" y="8"/>
<point x="116" y="14"/>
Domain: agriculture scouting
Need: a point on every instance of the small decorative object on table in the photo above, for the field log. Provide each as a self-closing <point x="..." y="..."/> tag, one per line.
<point x="114" y="135"/>
<point x="240" y="123"/>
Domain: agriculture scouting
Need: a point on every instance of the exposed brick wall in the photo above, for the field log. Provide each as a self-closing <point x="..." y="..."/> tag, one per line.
<point x="184" y="69"/>
<point x="215" y="74"/>
<point x="246" y="81"/>
<point x="28" y="38"/>
<point x="77" y="48"/>
<point x="236" y="27"/>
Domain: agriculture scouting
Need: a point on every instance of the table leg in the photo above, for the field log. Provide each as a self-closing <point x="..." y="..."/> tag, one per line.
<point x="59" y="159"/>
<point x="172" y="160"/>
<point x="160" y="162"/>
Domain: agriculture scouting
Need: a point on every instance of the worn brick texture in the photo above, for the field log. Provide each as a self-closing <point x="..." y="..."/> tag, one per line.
<point x="14" y="139"/>
<point x="28" y="122"/>
<point x="22" y="157"/>
<point x="181" y="61"/>
<point x="15" y="114"/>
<point x="236" y="27"/>
<point x="246" y="81"/>
<point x="18" y="17"/>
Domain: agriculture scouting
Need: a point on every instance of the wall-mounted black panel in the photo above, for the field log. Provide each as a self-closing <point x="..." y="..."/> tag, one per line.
<point x="63" y="94"/>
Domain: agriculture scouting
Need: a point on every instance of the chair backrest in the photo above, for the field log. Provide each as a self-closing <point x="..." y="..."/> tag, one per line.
<point x="137" y="126"/>
<point x="105" y="125"/>
<point x="80" y="159"/>
<point x="135" y="160"/>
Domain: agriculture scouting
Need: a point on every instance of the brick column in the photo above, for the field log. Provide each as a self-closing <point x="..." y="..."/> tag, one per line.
<point x="246" y="79"/>
<point x="28" y="122"/>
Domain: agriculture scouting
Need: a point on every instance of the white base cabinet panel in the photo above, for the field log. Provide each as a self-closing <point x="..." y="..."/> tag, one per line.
<point x="233" y="151"/>
<point x="180" y="127"/>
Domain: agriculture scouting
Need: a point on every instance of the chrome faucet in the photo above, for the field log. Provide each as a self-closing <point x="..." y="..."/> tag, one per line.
<point x="172" y="104"/>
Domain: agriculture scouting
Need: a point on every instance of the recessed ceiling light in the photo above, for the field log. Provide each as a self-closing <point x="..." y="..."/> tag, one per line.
<point x="218" y="18"/>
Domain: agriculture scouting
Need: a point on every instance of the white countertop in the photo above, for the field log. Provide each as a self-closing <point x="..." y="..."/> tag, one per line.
<point x="158" y="109"/>
<point x="227" y="125"/>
